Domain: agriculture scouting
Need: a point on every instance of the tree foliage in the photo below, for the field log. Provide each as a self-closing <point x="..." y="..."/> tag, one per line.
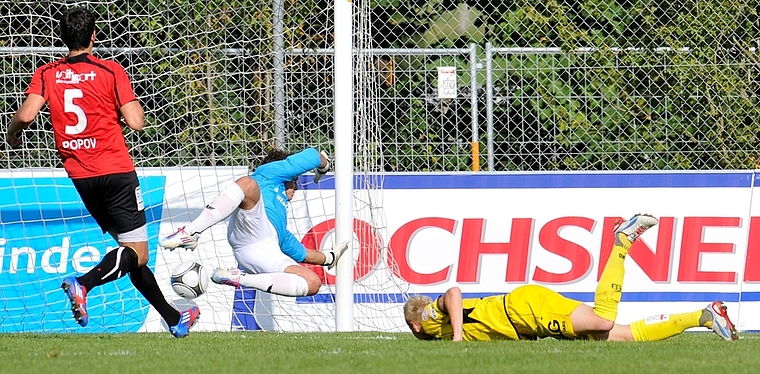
<point x="631" y="84"/>
<point x="637" y="84"/>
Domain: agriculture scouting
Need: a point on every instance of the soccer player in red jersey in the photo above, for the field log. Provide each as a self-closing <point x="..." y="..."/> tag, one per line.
<point x="87" y="97"/>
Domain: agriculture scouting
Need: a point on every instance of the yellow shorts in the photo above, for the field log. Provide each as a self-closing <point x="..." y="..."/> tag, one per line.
<point x="538" y="312"/>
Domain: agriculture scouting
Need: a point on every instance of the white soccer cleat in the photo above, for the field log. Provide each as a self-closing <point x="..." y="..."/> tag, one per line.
<point x="634" y="227"/>
<point x="337" y="251"/>
<point x="721" y="324"/>
<point x="229" y="277"/>
<point x="179" y="239"/>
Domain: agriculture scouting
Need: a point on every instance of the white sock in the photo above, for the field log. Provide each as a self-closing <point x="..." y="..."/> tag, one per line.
<point x="329" y="257"/>
<point x="220" y="208"/>
<point x="284" y="284"/>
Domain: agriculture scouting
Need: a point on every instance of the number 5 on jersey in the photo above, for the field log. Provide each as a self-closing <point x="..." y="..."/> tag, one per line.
<point x="69" y="107"/>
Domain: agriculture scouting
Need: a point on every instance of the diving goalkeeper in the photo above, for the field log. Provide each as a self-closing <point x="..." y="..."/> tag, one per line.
<point x="264" y="248"/>
<point x="532" y="311"/>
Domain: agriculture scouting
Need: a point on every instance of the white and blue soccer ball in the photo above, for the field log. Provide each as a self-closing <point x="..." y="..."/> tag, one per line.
<point x="189" y="280"/>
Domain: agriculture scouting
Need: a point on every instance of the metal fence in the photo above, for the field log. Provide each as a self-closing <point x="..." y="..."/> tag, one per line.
<point x="557" y="86"/>
<point x="420" y="130"/>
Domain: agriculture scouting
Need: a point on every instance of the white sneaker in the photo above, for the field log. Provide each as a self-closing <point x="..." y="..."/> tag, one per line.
<point x="634" y="227"/>
<point x="721" y="324"/>
<point x="337" y="253"/>
<point x="230" y="277"/>
<point x="179" y="239"/>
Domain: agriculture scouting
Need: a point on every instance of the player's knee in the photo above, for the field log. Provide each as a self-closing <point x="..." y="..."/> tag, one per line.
<point x="140" y="249"/>
<point x="314" y="284"/>
<point x="142" y="260"/>
<point x="585" y="320"/>
<point x="137" y="241"/>
<point x="250" y="190"/>
<point x="248" y="185"/>
<point x="314" y="288"/>
<point x="601" y="324"/>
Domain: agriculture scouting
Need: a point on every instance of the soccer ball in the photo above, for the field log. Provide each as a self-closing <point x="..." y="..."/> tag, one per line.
<point x="189" y="280"/>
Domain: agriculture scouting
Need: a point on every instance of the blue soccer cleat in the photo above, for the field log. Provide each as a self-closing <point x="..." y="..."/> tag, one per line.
<point x="187" y="319"/>
<point x="77" y="294"/>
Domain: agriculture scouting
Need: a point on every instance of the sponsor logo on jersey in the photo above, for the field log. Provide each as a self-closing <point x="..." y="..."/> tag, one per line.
<point x="425" y="315"/>
<point x="69" y="77"/>
<point x="280" y="196"/>
<point x="556" y="327"/>
<point x="429" y="313"/>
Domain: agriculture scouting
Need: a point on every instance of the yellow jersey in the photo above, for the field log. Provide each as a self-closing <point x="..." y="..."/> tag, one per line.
<point x="527" y="313"/>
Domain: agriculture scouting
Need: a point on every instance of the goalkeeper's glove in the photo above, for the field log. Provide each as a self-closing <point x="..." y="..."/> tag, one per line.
<point x="337" y="251"/>
<point x="320" y="172"/>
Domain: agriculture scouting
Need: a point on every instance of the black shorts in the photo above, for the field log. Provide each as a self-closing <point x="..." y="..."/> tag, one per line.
<point x="114" y="200"/>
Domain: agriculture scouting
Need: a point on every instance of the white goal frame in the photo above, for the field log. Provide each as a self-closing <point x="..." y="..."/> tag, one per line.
<point x="344" y="148"/>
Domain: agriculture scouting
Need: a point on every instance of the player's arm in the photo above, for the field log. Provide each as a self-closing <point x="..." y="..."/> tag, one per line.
<point x="293" y="166"/>
<point x="133" y="114"/>
<point x="23" y="118"/>
<point x="130" y="109"/>
<point x="451" y="304"/>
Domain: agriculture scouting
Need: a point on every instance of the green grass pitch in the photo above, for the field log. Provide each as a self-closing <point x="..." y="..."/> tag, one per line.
<point x="365" y="352"/>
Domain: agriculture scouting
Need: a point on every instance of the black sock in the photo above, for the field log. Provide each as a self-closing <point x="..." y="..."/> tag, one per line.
<point x="116" y="264"/>
<point x="145" y="282"/>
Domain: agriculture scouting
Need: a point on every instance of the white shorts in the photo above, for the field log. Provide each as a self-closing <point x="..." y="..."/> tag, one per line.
<point x="255" y="243"/>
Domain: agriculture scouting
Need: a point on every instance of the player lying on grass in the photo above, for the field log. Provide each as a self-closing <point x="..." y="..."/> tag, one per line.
<point x="87" y="97"/>
<point x="532" y="311"/>
<point x="267" y="252"/>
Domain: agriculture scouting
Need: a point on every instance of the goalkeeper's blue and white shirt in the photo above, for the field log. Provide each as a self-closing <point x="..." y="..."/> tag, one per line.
<point x="271" y="178"/>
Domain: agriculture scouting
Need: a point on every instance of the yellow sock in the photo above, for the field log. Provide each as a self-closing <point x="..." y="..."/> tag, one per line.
<point x="664" y="326"/>
<point x="610" y="287"/>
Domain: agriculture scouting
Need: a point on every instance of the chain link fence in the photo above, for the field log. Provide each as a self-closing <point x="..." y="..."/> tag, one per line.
<point x="557" y="85"/>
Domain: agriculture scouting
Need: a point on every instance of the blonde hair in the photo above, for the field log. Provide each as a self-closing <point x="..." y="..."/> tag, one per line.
<point x="414" y="306"/>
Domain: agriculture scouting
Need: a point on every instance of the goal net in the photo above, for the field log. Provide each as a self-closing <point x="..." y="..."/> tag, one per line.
<point x="221" y="83"/>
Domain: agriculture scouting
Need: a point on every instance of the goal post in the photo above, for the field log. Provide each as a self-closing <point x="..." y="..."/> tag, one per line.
<point x="219" y="89"/>
<point x="344" y="156"/>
